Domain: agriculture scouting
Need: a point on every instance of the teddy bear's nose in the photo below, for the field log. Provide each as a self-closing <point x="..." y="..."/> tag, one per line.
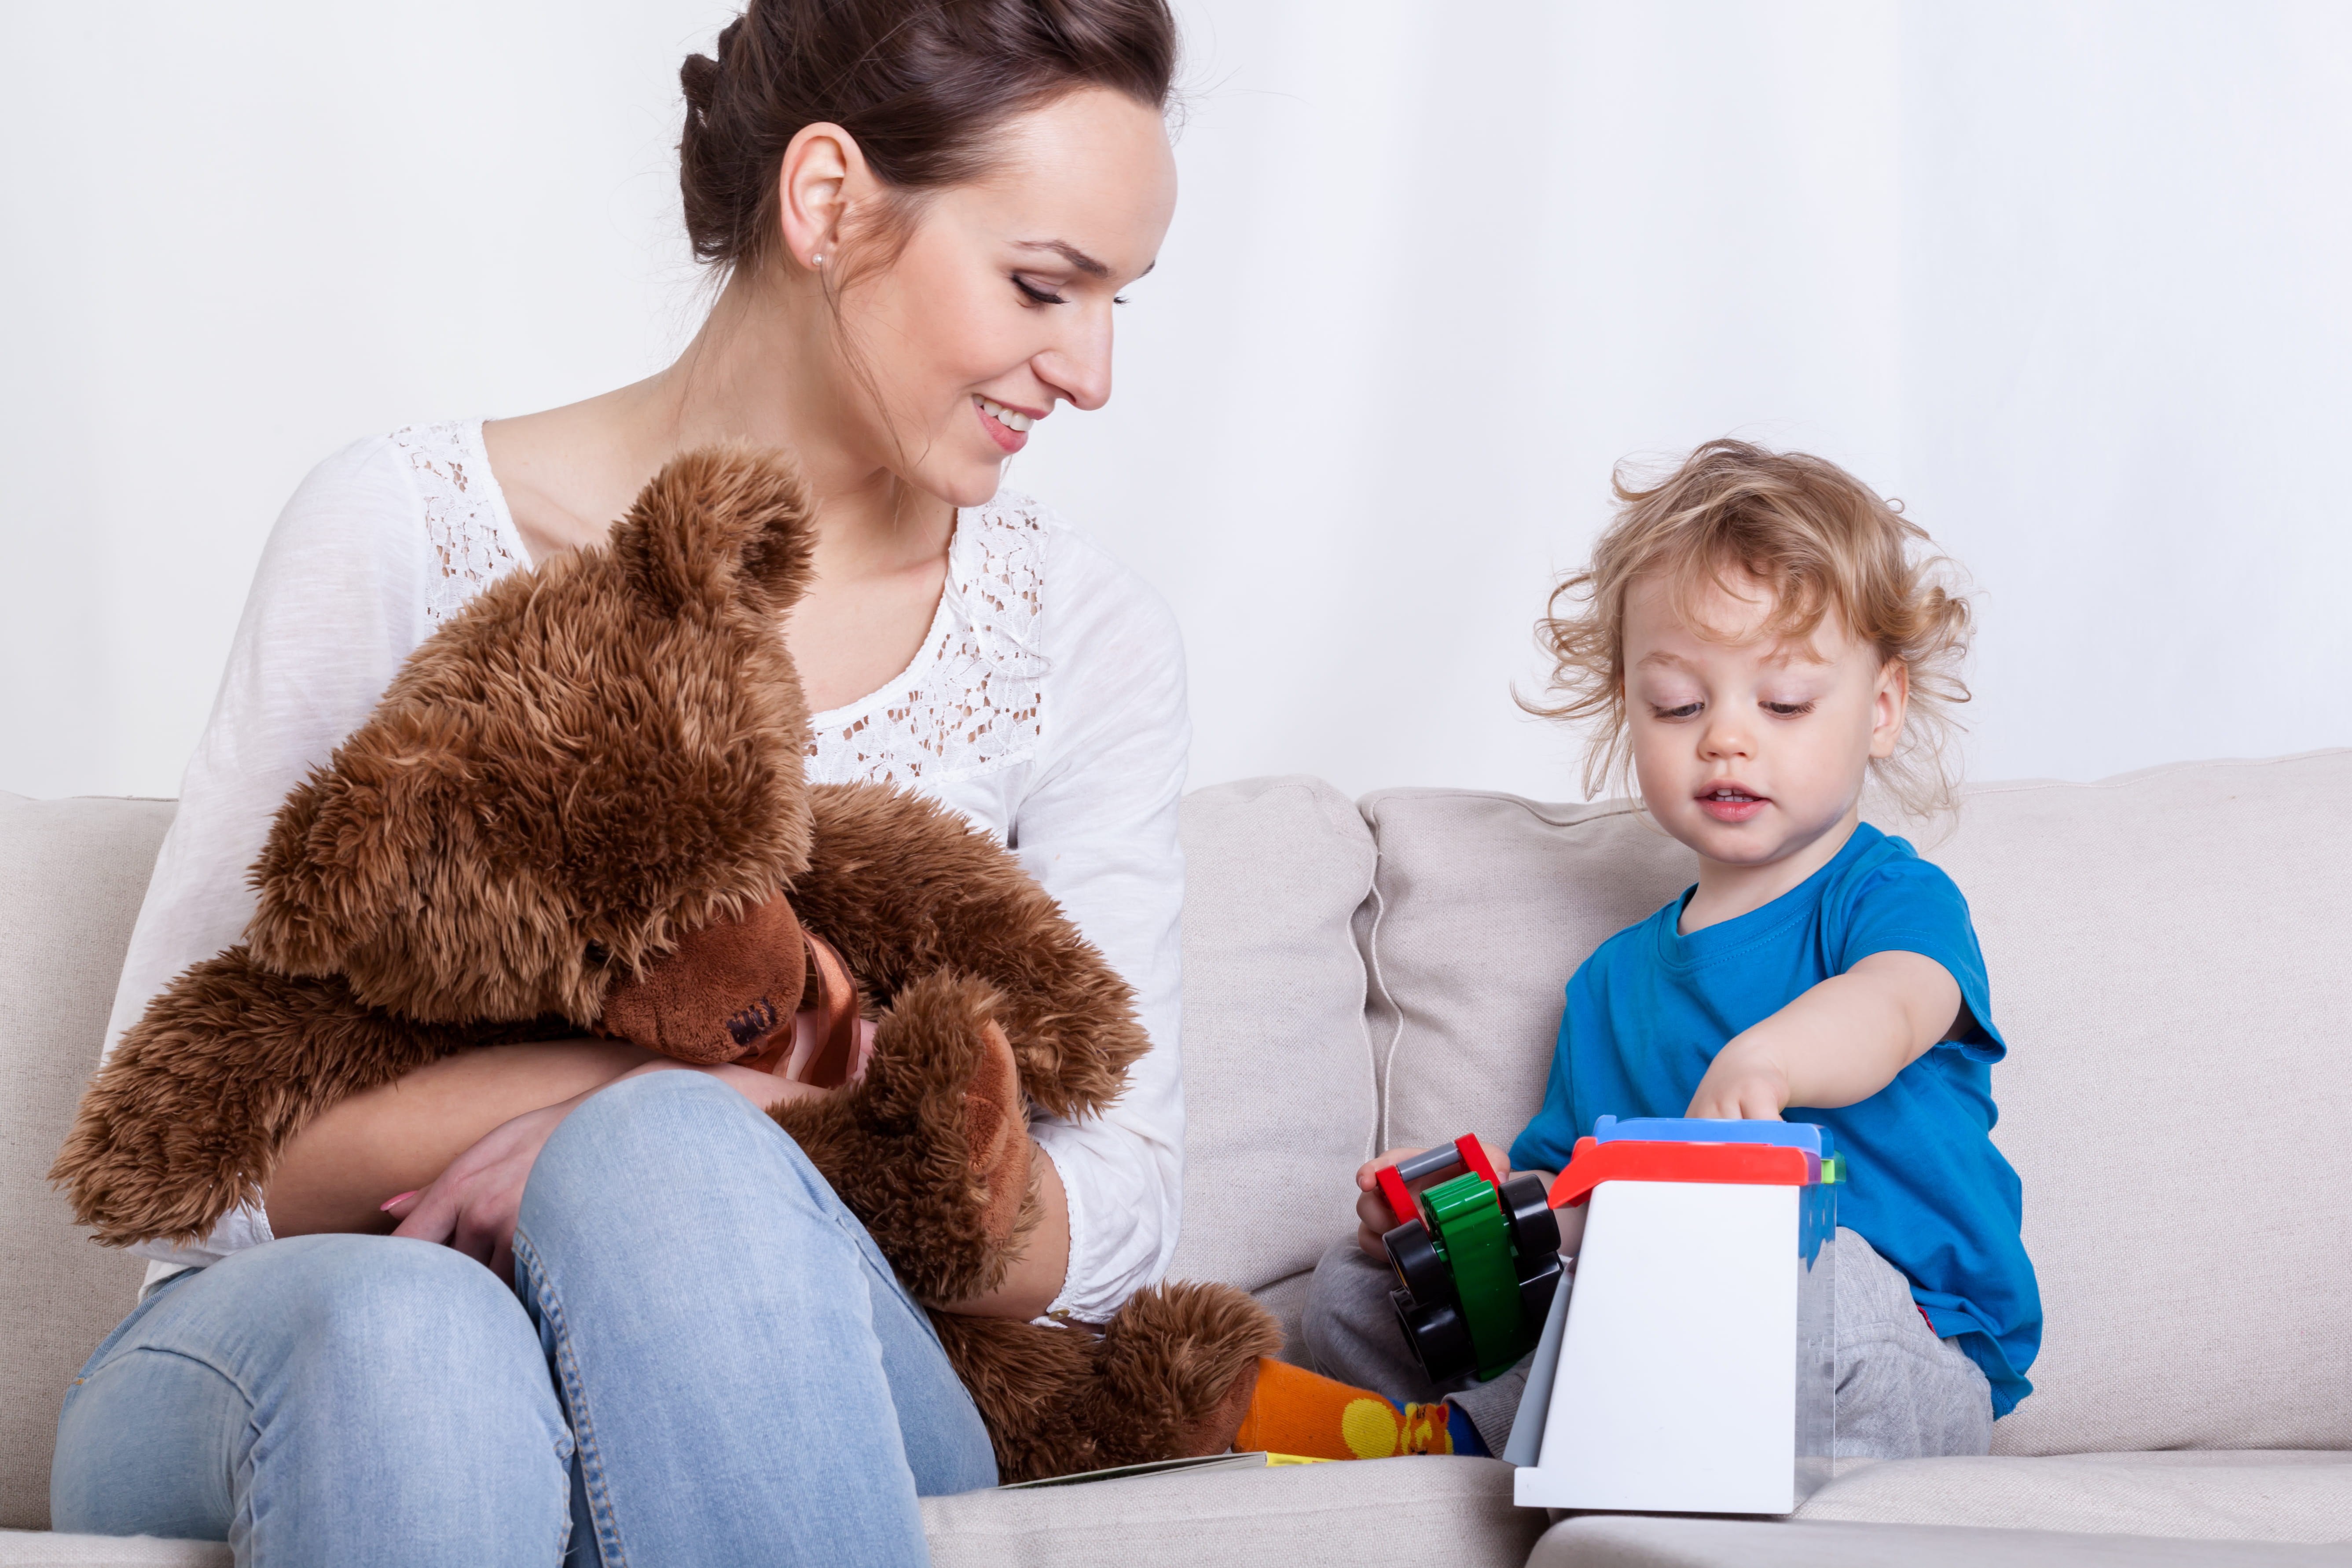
<point x="598" y="955"/>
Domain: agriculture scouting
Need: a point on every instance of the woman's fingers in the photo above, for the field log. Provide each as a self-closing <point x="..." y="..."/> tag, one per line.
<point x="432" y="1214"/>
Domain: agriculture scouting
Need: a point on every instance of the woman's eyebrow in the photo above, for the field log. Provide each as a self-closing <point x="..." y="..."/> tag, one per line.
<point x="1076" y="257"/>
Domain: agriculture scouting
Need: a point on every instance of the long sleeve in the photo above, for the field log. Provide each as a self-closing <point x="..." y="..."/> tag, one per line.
<point x="336" y="605"/>
<point x="1097" y="827"/>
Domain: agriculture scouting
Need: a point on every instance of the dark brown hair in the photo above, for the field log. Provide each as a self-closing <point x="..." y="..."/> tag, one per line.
<point x="919" y="83"/>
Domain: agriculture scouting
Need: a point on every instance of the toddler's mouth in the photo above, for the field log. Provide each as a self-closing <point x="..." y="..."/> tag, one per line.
<point x="1731" y="802"/>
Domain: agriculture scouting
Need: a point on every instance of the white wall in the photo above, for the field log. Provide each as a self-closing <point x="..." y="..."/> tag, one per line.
<point x="2069" y="279"/>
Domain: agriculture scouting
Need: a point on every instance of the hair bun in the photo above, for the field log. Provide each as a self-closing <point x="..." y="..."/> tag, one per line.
<point x="919" y="84"/>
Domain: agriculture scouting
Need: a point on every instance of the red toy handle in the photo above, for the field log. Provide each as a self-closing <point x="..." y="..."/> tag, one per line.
<point x="1466" y="1152"/>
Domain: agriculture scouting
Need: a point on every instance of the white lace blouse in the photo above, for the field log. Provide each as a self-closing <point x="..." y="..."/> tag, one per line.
<point x="1047" y="705"/>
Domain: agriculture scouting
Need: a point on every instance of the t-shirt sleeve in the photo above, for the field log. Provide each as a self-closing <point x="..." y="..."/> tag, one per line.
<point x="1906" y="904"/>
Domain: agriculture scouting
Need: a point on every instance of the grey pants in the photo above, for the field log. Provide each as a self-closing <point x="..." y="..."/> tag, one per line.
<point x="1901" y="1393"/>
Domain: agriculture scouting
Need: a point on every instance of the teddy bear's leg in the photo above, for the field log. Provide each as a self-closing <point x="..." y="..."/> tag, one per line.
<point x="1169" y="1376"/>
<point x="930" y="1149"/>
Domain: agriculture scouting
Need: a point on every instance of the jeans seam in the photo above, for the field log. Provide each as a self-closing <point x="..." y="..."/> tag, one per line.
<point x="575" y="1402"/>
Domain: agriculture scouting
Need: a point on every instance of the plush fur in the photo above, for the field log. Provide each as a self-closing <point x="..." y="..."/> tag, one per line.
<point x="593" y="778"/>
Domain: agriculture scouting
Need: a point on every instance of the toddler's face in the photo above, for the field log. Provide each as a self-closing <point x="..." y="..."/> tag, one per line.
<point x="1750" y="748"/>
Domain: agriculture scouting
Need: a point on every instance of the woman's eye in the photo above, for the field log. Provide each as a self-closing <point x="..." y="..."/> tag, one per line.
<point x="1036" y="295"/>
<point x="1788" y="710"/>
<point x="1687" y="710"/>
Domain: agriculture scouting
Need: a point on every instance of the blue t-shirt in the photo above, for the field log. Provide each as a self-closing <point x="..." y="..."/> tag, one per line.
<point x="1924" y="1186"/>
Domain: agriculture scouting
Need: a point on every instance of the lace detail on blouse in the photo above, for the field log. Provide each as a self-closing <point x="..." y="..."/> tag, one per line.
<point x="464" y="513"/>
<point x="974" y="697"/>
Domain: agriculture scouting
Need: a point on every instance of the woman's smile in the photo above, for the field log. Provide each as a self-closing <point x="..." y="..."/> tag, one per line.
<point x="1006" y="426"/>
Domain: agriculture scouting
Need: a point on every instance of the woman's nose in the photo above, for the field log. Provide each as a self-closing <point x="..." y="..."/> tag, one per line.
<point x="1078" y="369"/>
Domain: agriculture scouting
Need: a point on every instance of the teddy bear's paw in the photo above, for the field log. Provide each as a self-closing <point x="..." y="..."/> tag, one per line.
<point x="1178" y="1364"/>
<point x="186" y="1119"/>
<point x="930" y="1149"/>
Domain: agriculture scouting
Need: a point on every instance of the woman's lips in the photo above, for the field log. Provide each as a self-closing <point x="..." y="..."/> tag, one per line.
<point x="1004" y="435"/>
<point x="1732" y="807"/>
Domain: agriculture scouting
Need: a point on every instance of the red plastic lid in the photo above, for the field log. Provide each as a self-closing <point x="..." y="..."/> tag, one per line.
<point x="1736" y="1164"/>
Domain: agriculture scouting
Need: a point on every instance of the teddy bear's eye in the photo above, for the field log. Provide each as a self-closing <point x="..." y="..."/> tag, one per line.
<point x="597" y="956"/>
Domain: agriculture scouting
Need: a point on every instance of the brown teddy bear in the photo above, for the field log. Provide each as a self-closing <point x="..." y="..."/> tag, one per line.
<point x="582" y="805"/>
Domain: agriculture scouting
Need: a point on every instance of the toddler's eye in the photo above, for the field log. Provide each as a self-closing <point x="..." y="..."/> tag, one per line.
<point x="1788" y="710"/>
<point x="1687" y="710"/>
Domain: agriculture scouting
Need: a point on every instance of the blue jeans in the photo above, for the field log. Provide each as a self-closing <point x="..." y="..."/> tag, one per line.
<point x="703" y="1360"/>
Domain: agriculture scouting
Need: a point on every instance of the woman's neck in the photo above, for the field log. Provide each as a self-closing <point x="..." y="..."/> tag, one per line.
<point x="763" y="369"/>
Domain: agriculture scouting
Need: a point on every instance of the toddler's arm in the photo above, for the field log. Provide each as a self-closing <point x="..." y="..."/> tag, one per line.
<point x="1841" y="1042"/>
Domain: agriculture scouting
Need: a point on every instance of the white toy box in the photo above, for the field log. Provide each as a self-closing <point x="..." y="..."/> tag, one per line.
<point x="1689" y="1368"/>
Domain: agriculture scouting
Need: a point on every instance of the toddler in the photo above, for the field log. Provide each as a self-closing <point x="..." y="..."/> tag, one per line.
<point x="1756" y="638"/>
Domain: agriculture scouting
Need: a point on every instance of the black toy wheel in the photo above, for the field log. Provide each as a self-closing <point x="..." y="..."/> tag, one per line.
<point x="1418" y="1267"/>
<point x="1536" y="1287"/>
<point x="1439" y="1338"/>
<point x="1534" y="1229"/>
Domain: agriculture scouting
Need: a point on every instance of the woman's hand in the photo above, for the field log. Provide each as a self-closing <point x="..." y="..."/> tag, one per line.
<point x="474" y="1204"/>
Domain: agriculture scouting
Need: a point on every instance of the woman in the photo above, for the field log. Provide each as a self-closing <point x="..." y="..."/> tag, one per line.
<point x="684" y="1349"/>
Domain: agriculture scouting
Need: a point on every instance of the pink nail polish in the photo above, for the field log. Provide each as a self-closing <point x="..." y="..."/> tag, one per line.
<point x="386" y="1205"/>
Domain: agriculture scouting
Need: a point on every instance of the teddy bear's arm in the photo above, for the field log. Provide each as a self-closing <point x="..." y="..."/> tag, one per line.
<point x="906" y="889"/>
<point x="185" y="1120"/>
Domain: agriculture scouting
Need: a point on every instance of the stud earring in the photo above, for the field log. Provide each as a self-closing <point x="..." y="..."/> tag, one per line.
<point x="817" y="260"/>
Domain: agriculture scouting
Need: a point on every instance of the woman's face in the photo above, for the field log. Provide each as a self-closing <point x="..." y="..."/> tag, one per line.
<point x="999" y="307"/>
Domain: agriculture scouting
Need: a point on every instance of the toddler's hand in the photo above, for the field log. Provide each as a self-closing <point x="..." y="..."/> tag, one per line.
<point x="1742" y="1084"/>
<point x="1373" y="1219"/>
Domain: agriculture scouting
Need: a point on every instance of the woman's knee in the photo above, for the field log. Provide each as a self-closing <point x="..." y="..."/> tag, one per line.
<point x="365" y="1310"/>
<point x="674" y="1132"/>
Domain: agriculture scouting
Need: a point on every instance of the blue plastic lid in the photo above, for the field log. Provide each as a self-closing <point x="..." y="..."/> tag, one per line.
<point x="1813" y="1140"/>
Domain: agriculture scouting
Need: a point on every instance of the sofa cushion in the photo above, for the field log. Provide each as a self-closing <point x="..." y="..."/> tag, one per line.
<point x="1632" y="1540"/>
<point x="1455" y="1513"/>
<point x="2166" y="952"/>
<point x="72" y="873"/>
<point x="1279" y="1097"/>
<point x="2167" y="963"/>
<point x="2242" y="1494"/>
<point x="1482" y="906"/>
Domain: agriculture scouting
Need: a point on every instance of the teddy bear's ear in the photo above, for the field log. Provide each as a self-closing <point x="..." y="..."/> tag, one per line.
<point x="716" y="522"/>
<point x="336" y="863"/>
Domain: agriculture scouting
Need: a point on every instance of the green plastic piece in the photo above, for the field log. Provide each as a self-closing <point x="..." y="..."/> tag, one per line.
<point x="1467" y="1228"/>
<point x="1834" y="1168"/>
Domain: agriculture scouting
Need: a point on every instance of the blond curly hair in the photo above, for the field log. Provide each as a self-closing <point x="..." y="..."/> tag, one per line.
<point x="1821" y="541"/>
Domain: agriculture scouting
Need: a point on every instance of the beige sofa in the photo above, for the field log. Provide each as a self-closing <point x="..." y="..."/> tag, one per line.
<point x="2168" y="960"/>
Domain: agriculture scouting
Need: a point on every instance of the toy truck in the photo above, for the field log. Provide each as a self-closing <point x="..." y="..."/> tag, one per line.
<point x="1476" y="1262"/>
<point x="1690" y="1366"/>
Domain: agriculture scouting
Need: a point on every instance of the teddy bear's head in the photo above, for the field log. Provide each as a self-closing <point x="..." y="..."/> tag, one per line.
<point x="593" y="760"/>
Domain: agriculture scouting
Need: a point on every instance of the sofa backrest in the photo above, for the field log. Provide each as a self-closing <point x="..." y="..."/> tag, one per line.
<point x="2167" y="964"/>
<point x="1280" y="1102"/>
<point x="72" y="875"/>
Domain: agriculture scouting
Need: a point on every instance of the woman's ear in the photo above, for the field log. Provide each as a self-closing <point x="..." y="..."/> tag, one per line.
<point x="1888" y="704"/>
<point x="822" y="174"/>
